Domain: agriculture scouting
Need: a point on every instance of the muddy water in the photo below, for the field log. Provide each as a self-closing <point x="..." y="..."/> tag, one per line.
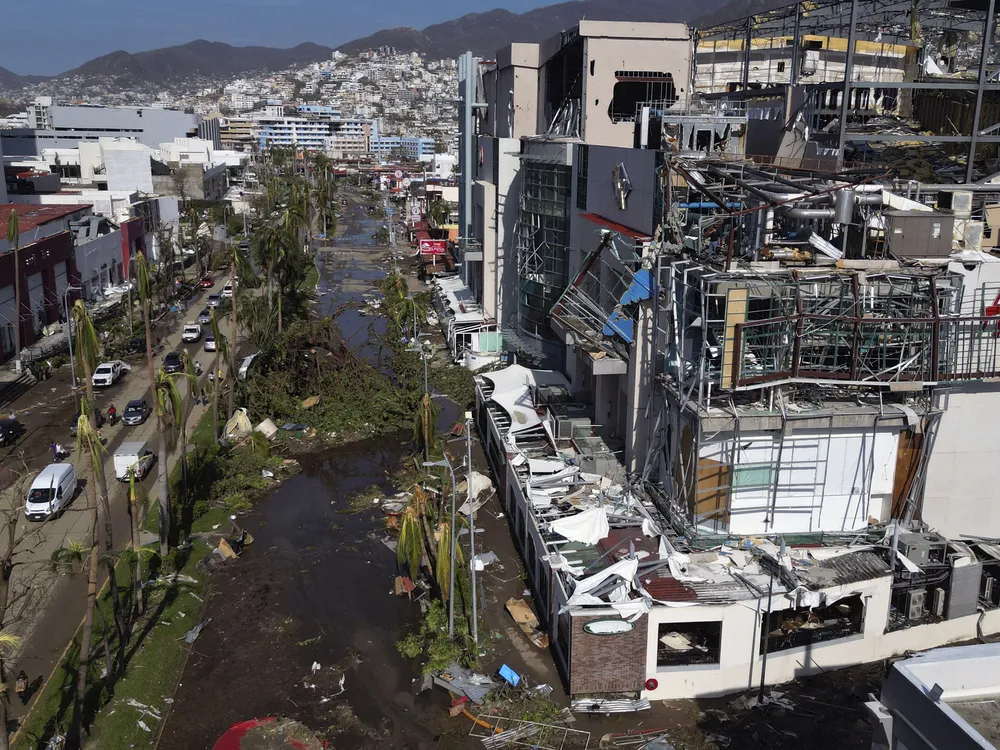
<point x="316" y="587"/>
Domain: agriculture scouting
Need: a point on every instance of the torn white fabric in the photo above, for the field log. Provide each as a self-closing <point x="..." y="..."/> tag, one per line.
<point x="649" y="528"/>
<point x="588" y="527"/>
<point x="625" y="569"/>
<point x="631" y="610"/>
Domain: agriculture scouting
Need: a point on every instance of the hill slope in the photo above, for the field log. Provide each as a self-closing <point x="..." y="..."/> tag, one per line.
<point x="485" y="33"/>
<point x="197" y="58"/>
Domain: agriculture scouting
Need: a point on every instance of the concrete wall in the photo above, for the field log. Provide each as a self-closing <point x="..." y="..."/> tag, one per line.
<point x="740" y="663"/>
<point x="148" y="125"/>
<point x="99" y="263"/>
<point x="961" y="494"/>
<point x="621" y="46"/>
<point x="127" y="166"/>
<point x="831" y="480"/>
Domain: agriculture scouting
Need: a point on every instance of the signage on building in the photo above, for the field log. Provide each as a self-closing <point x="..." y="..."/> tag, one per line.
<point x="607" y="627"/>
<point x="399" y="174"/>
<point x="433" y="247"/>
<point x="415" y="212"/>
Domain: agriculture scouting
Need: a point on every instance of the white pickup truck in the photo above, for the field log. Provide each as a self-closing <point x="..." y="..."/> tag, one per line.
<point x="133" y="457"/>
<point x="109" y="373"/>
<point x="191" y="332"/>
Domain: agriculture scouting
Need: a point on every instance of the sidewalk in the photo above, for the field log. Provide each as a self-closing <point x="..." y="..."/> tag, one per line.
<point x="55" y="616"/>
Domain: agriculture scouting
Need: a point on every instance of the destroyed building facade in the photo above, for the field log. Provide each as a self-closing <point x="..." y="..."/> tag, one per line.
<point x="746" y="439"/>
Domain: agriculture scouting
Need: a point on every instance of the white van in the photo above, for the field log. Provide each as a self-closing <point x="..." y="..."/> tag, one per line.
<point x="133" y="457"/>
<point x="52" y="490"/>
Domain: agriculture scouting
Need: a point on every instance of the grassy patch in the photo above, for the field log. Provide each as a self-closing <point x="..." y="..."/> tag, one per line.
<point x="156" y="658"/>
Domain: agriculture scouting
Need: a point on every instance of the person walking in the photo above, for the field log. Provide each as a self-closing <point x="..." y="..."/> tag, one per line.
<point x="21" y="687"/>
<point x="204" y="397"/>
<point x="55" y="451"/>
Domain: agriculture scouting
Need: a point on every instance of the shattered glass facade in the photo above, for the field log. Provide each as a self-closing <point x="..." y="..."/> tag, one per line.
<point x="543" y="244"/>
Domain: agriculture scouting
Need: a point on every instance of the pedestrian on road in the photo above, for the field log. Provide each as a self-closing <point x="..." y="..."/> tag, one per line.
<point x="21" y="687"/>
<point x="55" y="452"/>
<point x="204" y="398"/>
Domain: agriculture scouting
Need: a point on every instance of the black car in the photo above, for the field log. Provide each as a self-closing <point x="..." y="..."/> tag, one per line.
<point x="99" y="420"/>
<point x="10" y="431"/>
<point x="136" y="412"/>
<point x="173" y="363"/>
<point x="136" y="345"/>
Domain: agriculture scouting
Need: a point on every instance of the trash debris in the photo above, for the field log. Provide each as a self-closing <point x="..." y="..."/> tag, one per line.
<point x="267" y="473"/>
<point x="310" y="402"/>
<point x="609" y="705"/>
<point x="404" y="585"/>
<point x="142" y="725"/>
<point x="500" y="731"/>
<point x="719" y="739"/>
<point x="484" y="559"/>
<point x="458" y="706"/>
<point x="463" y="682"/>
<point x="238" y="427"/>
<point x="316" y="667"/>
<point x="509" y="676"/>
<point x="267" y="428"/>
<point x="543" y="689"/>
<point x="527" y="621"/>
<point x="192" y="635"/>
<point x="294" y="427"/>
<point x="226" y="550"/>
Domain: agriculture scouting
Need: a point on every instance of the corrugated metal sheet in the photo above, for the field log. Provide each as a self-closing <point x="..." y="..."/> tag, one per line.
<point x="852" y="567"/>
<point x="665" y="588"/>
<point x="963" y="593"/>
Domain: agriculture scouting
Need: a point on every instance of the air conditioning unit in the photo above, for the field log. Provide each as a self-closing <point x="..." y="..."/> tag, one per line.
<point x="916" y="601"/>
<point x="959" y="202"/>
<point x="571" y="427"/>
<point x="937" y="603"/>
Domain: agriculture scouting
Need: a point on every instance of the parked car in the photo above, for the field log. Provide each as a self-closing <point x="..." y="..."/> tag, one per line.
<point x="210" y="343"/>
<point x="191" y="333"/>
<point x="10" y="431"/>
<point x="136" y="345"/>
<point x="205" y="316"/>
<point x="99" y="420"/>
<point x="207" y="282"/>
<point x="214" y="300"/>
<point x="172" y="363"/>
<point x="137" y="411"/>
<point x="51" y="491"/>
<point x="109" y="373"/>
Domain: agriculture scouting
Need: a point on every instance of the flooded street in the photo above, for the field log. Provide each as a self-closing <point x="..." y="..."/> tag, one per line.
<point x="315" y="588"/>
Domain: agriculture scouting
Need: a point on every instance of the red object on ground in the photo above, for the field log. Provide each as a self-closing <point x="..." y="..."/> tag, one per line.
<point x="233" y="737"/>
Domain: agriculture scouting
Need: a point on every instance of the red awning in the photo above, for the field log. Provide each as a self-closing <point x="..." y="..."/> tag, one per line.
<point x="615" y="227"/>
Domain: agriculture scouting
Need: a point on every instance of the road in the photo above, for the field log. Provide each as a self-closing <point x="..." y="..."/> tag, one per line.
<point x="52" y="615"/>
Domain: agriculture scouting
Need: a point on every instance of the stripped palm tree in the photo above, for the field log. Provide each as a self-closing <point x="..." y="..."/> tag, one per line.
<point x="169" y="414"/>
<point x="221" y="349"/>
<point x="88" y="443"/>
<point x="134" y="513"/>
<point x="87" y="351"/>
<point x="144" y="277"/>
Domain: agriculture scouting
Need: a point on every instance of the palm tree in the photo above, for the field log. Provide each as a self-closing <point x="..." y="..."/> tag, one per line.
<point x="143" y="276"/>
<point x="169" y="413"/>
<point x="89" y="442"/>
<point x="133" y="514"/>
<point x="87" y="350"/>
<point x="221" y="348"/>
<point x="192" y="392"/>
<point x="14" y="239"/>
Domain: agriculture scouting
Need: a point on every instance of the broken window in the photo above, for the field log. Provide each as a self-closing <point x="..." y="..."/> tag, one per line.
<point x="803" y="626"/>
<point x="680" y="643"/>
<point x="637" y="87"/>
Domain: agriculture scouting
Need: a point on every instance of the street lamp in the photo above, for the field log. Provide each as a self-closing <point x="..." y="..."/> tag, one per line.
<point x="69" y="329"/>
<point x="446" y="463"/>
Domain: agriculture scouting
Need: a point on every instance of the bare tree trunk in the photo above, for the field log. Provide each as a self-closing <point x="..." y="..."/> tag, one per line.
<point x="17" y="305"/>
<point x="161" y="474"/>
<point x="121" y="629"/>
<point x="75" y="738"/>
<point x="232" y="339"/>
<point x="215" y="396"/>
<point x="134" y="517"/>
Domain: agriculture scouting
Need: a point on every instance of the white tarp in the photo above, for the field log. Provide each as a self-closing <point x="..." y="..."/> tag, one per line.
<point x="588" y="527"/>
<point x="519" y="407"/>
<point x="625" y="569"/>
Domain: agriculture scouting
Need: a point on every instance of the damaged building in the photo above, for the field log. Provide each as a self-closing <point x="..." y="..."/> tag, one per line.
<point x="743" y="440"/>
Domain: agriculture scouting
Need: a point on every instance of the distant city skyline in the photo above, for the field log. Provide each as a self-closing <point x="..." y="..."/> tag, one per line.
<point x="55" y="36"/>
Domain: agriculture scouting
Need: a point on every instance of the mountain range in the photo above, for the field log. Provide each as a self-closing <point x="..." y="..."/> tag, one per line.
<point x="483" y="33"/>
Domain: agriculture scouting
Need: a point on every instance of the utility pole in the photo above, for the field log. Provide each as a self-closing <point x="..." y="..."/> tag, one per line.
<point x="472" y="526"/>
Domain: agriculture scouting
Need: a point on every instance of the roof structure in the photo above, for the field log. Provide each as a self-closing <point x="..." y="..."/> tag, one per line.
<point x="31" y="217"/>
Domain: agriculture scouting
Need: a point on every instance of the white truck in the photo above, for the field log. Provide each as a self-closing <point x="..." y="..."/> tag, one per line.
<point x="133" y="457"/>
<point x="191" y="332"/>
<point x="109" y="373"/>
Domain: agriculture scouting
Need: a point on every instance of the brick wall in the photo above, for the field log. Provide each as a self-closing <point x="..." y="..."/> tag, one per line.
<point x="607" y="663"/>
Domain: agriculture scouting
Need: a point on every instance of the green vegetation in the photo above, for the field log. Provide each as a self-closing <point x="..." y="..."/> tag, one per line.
<point x="432" y="642"/>
<point x="157" y="656"/>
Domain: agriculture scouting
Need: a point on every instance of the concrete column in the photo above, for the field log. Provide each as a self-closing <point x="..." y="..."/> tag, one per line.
<point x="638" y="387"/>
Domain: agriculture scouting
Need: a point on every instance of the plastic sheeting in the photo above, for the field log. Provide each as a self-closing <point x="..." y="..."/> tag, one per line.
<point x="588" y="527"/>
<point x="519" y="407"/>
<point x="238" y="426"/>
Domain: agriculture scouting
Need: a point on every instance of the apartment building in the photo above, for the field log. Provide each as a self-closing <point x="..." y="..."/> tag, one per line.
<point x="408" y="147"/>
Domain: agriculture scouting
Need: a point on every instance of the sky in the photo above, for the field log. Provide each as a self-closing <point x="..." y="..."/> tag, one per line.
<point x="52" y="36"/>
